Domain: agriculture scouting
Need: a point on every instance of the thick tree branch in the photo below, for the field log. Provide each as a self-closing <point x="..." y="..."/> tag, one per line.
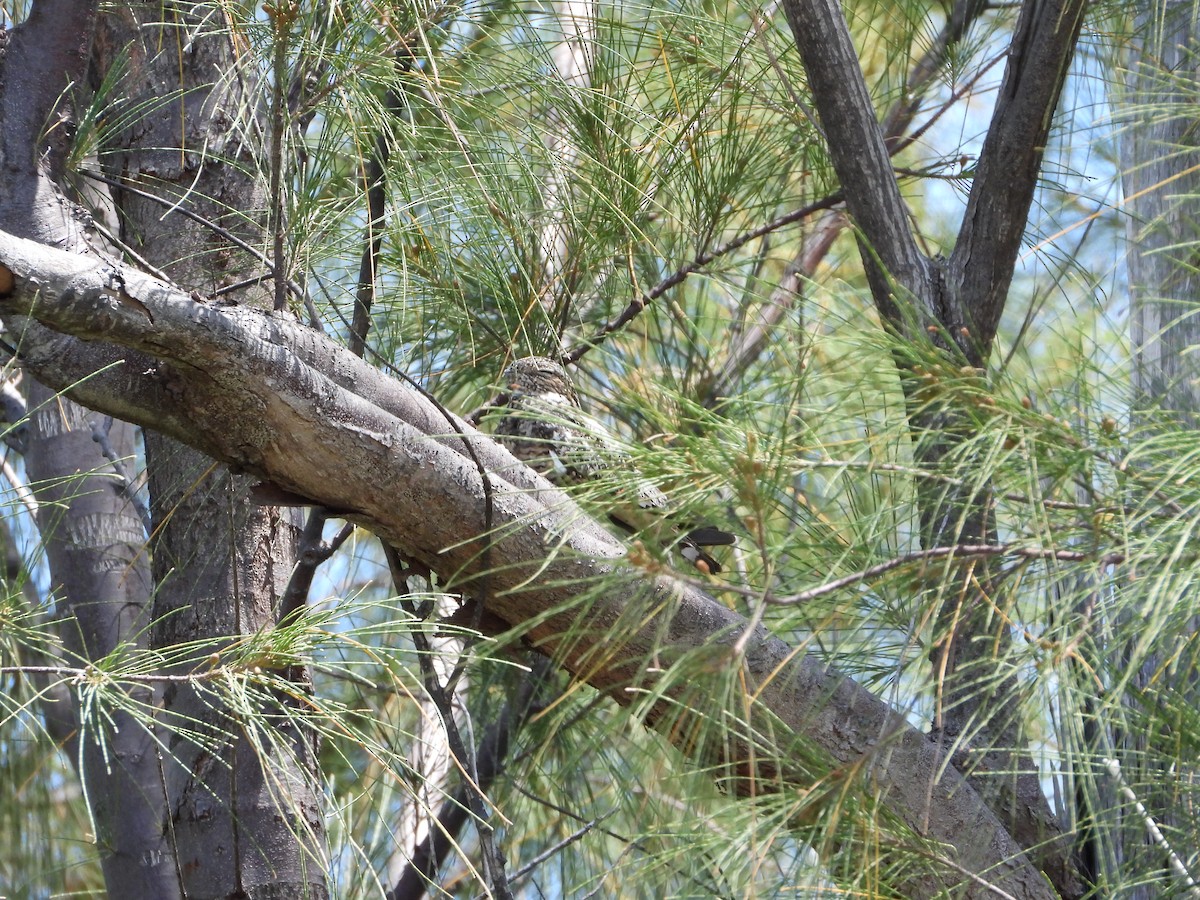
<point x="858" y="153"/>
<point x="815" y="245"/>
<point x="981" y="266"/>
<point x="964" y="300"/>
<point x="260" y="391"/>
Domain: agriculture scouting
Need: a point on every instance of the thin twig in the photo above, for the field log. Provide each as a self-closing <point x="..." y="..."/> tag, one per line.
<point x="18" y="485"/>
<point x="710" y="888"/>
<point x="281" y="16"/>
<point x="92" y="674"/>
<point x="1177" y="865"/>
<point x="374" y="176"/>
<point x="477" y="801"/>
<point x="957" y="551"/>
<point x="698" y="262"/>
<point x="313" y="552"/>
<point x="100" y="429"/>
<point x="574" y="837"/>
<point x="491" y="759"/>
<point x="141" y="261"/>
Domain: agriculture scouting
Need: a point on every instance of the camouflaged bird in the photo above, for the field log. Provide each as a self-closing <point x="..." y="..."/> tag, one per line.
<point x="545" y="427"/>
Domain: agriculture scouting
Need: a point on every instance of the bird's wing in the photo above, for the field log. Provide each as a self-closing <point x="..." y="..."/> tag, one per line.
<point x="548" y="433"/>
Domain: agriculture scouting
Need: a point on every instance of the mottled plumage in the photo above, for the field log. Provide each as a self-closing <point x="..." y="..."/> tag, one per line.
<point x="545" y="427"/>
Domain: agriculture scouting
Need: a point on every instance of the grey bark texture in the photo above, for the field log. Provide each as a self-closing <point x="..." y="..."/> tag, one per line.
<point x="91" y="532"/>
<point x="1159" y="146"/>
<point x="94" y="543"/>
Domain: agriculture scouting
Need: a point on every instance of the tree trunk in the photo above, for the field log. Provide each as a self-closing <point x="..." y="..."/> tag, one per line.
<point x="94" y="542"/>
<point x="1159" y="152"/>
<point x="951" y="308"/>
<point x="1159" y="148"/>
<point x="94" y="538"/>
<point x="245" y="808"/>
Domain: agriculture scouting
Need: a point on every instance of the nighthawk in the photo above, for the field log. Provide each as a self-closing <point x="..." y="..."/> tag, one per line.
<point x="545" y="427"/>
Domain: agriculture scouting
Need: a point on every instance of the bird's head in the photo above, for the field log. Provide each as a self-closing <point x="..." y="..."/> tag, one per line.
<point x="539" y="376"/>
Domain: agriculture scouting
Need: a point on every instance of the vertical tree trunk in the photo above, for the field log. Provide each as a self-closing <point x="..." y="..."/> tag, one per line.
<point x="245" y="812"/>
<point x="1158" y="149"/>
<point x="94" y="538"/>
<point x="94" y="542"/>
<point x="1159" y="152"/>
